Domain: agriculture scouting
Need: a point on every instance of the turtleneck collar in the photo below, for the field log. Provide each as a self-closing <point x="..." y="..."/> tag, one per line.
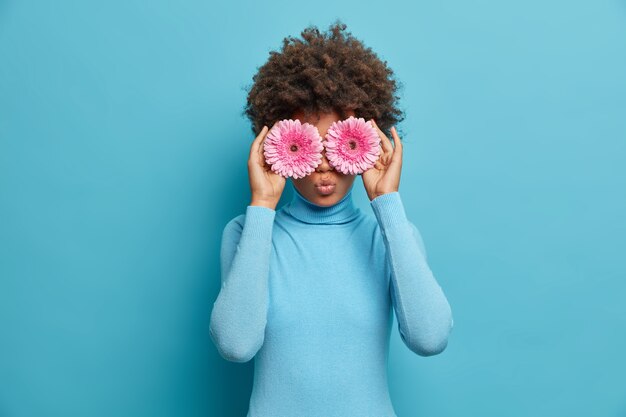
<point x="342" y="211"/>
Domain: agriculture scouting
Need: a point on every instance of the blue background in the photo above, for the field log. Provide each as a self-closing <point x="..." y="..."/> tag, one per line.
<point x="123" y="153"/>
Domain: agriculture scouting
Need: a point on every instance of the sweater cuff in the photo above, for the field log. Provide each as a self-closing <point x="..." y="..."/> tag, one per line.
<point x="259" y="222"/>
<point x="389" y="210"/>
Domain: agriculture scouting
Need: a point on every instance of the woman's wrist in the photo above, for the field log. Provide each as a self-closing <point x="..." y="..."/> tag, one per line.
<point x="263" y="203"/>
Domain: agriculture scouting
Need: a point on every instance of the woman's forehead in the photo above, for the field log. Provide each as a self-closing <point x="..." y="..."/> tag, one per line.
<point x="320" y="117"/>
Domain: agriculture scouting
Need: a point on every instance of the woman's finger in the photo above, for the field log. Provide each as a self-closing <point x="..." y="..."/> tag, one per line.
<point x="397" y="154"/>
<point x="395" y="166"/>
<point x="262" y="149"/>
<point x="385" y="142"/>
<point x="254" y="149"/>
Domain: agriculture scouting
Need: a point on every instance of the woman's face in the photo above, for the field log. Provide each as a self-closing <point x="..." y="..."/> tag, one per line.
<point x="312" y="186"/>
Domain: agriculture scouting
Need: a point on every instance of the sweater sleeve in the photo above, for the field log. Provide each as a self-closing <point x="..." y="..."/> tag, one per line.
<point x="423" y="312"/>
<point x="239" y="313"/>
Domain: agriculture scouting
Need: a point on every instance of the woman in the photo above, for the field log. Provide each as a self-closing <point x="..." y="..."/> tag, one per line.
<point x="309" y="289"/>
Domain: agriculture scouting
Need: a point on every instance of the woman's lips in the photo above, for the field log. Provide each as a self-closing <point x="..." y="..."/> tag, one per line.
<point x="325" y="188"/>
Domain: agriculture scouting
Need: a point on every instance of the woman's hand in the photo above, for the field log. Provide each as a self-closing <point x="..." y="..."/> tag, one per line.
<point x="266" y="185"/>
<point x="384" y="176"/>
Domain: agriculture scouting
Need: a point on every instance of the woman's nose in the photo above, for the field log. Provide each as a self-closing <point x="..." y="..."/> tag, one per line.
<point x="325" y="165"/>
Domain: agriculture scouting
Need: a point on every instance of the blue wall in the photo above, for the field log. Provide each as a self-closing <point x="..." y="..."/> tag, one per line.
<point x="123" y="153"/>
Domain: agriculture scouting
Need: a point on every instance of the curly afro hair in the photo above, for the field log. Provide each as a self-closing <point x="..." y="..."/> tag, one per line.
<point x="322" y="73"/>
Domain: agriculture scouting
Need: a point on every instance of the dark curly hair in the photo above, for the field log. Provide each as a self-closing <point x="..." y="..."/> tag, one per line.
<point x="323" y="73"/>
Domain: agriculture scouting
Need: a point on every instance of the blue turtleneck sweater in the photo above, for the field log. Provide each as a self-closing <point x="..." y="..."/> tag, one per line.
<point x="308" y="292"/>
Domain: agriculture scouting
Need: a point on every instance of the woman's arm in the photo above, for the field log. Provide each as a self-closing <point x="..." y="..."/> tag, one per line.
<point x="423" y="312"/>
<point x="240" y="312"/>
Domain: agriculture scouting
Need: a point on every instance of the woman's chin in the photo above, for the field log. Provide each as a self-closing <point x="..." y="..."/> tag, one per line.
<point x="325" y="199"/>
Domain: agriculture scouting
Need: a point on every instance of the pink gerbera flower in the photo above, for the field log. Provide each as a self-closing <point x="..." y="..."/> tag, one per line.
<point x="352" y="145"/>
<point x="293" y="149"/>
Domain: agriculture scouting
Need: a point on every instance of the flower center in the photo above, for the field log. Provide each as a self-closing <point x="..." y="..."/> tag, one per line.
<point x="352" y="144"/>
<point x="294" y="148"/>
